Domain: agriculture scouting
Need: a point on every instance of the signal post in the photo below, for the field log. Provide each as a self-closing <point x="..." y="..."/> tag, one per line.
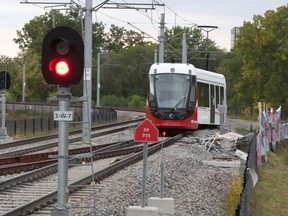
<point x="62" y="64"/>
<point x="146" y="133"/>
<point x="5" y="80"/>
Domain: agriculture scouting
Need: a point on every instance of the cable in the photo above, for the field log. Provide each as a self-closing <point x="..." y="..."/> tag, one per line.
<point x="176" y="14"/>
<point x="129" y="23"/>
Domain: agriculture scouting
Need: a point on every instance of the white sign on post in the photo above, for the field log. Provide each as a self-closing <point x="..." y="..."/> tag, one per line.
<point x="63" y="116"/>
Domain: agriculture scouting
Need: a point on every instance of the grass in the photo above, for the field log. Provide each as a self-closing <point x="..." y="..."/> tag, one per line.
<point x="269" y="196"/>
<point x="233" y="194"/>
<point x="242" y="130"/>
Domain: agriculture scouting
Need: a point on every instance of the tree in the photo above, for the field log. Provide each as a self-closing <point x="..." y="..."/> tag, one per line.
<point x="197" y="47"/>
<point x="119" y="39"/>
<point x="127" y="71"/>
<point x="263" y="47"/>
<point x="230" y="67"/>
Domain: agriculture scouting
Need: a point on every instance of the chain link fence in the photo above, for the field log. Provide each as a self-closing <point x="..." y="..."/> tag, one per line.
<point x="251" y="163"/>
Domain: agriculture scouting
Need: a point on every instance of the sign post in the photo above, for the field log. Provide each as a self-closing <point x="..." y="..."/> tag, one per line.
<point x="63" y="116"/>
<point x="145" y="132"/>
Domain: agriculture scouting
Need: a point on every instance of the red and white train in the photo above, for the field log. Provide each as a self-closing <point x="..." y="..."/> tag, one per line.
<point x="183" y="97"/>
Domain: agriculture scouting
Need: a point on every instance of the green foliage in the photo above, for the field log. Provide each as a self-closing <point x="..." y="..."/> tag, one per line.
<point x="231" y="66"/>
<point x="235" y="183"/>
<point x="119" y="39"/>
<point x="263" y="47"/>
<point x="198" y="47"/>
<point x="136" y="102"/>
<point x="114" y="101"/>
<point x="127" y="72"/>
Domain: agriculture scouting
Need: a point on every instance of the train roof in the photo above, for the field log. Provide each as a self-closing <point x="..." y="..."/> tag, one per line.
<point x="182" y="68"/>
<point x="210" y="77"/>
<point x="172" y="68"/>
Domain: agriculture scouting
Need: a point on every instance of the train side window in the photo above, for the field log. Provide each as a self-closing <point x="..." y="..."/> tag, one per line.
<point x="192" y="98"/>
<point x="193" y="89"/>
<point x="203" y="94"/>
<point x="212" y="95"/>
<point x="217" y="95"/>
<point x="222" y="95"/>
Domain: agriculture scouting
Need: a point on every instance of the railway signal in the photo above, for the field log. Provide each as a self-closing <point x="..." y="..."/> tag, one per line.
<point x="62" y="56"/>
<point x="5" y="80"/>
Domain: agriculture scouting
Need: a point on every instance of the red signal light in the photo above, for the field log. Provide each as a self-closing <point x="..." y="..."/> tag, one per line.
<point x="60" y="66"/>
<point x="62" y="56"/>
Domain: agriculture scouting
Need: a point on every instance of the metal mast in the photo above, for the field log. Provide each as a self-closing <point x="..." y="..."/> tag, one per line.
<point x="161" y="39"/>
<point x="87" y="79"/>
<point x="184" y="48"/>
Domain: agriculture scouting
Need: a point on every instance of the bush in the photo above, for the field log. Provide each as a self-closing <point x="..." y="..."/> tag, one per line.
<point x="112" y="100"/>
<point x="235" y="183"/>
<point x="136" y="102"/>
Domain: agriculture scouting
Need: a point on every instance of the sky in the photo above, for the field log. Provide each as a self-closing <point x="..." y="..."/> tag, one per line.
<point x="225" y="14"/>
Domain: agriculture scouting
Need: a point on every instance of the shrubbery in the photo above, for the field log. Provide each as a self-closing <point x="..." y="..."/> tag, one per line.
<point x="134" y="101"/>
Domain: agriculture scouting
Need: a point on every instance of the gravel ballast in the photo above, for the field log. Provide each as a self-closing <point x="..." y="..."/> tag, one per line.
<point x="197" y="188"/>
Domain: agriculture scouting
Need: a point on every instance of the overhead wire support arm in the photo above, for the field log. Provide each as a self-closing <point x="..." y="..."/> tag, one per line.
<point x="137" y="6"/>
<point x="30" y="2"/>
<point x="100" y="5"/>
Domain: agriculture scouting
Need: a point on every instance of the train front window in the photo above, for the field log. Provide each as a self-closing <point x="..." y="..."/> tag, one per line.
<point x="172" y="90"/>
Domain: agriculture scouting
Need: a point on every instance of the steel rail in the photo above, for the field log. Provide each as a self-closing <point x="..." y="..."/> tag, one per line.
<point x="55" y="143"/>
<point x="45" y="200"/>
<point x="55" y="135"/>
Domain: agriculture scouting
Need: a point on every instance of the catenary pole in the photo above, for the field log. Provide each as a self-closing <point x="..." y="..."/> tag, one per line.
<point x="98" y="80"/>
<point x="162" y="39"/>
<point x="24" y="78"/>
<point x="87" y="82"/>
<point x="184" y="48"/>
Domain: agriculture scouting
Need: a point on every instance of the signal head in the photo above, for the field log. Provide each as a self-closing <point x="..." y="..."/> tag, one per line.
<point x="62" y="56"/>
<point x="5" y="80"/>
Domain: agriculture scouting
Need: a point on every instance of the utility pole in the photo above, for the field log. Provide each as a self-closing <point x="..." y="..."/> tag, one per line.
<point x="161" y="39"/>
<point x="207" y="29"/>
<point x="87" y="82"/>
<point x="155" y="56"/>
<point x="184" y="48"/>
<point x="98" y="80"/>
<point x="24" y="78"/>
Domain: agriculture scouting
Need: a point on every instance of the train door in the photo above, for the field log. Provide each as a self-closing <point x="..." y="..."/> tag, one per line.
<point x="212" y="103"/>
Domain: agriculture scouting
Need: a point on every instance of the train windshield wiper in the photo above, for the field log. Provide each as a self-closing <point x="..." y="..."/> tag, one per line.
<point x="178" y="103"/>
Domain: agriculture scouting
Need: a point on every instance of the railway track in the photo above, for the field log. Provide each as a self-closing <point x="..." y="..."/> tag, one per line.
<point x="45" y="142"/>
<point x="32" y="191"/>
<point x="33" y="161"/>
